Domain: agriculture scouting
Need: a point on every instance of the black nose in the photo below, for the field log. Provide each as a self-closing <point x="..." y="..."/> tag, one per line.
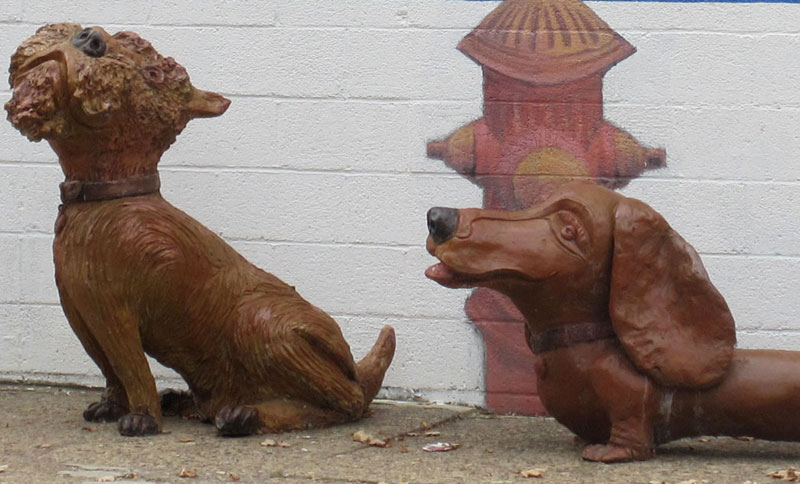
<point x="90" y="42"/>
<point x="442" y="223"/>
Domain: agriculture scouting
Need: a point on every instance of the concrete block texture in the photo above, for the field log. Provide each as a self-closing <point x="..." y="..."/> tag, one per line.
<point x="318" y="171"/>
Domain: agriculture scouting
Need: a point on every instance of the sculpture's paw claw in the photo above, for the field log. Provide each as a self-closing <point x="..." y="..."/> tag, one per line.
<point x="609" y="453"/>
<point x="233" y="421"/>
<point x="178" y="403"/>
<point x="136" y="424"/>
<point x="104" y="411"/>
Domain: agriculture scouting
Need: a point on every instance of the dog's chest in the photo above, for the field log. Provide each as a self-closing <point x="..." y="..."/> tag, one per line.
<point x="566" y="391"/>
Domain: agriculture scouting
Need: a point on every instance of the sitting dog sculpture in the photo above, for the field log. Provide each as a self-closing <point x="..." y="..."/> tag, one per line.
<point x="136" y="275"/>
<point x="635" y="345"/>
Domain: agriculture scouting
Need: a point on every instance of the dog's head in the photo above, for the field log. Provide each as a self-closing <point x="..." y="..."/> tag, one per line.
<point x="618" y="253"/>
<point x="86" y="91"/>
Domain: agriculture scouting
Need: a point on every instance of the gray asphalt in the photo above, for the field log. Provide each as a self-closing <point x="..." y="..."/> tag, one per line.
<point x="44" y="439"/>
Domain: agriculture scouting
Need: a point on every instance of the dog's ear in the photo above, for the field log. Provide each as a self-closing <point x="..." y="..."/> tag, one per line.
<point x="672" y="322"/>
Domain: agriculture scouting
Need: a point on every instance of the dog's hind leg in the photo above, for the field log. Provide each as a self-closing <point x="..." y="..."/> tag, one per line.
<point x="372" y="368"/>
<point x="275" y="416"/>
<point x="326" y="387"/>
<point x="316" y="366"/>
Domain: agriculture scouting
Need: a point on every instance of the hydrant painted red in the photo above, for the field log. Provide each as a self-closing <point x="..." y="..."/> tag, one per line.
<point x="543" y="65"/>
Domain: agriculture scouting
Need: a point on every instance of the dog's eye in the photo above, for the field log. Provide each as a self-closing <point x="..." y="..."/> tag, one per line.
<point x="568" y="232"/>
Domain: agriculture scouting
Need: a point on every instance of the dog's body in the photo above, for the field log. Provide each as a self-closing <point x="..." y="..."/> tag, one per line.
<point x="635" y="345"/>
<point x="136" y="275"/>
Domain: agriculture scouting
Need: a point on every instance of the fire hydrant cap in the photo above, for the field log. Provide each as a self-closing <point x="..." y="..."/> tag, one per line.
<point x="545" y="41"/>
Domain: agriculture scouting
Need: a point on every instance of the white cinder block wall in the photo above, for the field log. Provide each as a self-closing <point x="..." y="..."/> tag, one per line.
<point x="318" y="172"/>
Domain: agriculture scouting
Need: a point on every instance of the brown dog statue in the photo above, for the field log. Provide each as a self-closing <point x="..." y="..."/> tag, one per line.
<point x="136" y="275"/>
<point x="635" y="345"/>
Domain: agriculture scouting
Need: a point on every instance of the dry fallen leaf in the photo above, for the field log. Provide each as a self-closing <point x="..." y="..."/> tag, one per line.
<point x="106" y="479"/>
<point x="269" y="443"/>
<point x="44" y="446"/>
<point x="186" y="440"/>
<point x="4" y="468"/>
<point x="537" y="472"/>
<point x="789" y="475"/>
<point x="440" y="447"/>
<point x="187" y="473"/>
<point x="284" y="445"/>
<point x="412" y="434"/>
<point x="365" y="438"/>
<point x="88" y="429"/>
<point x="426" y="426"/>
<point x="703" y="439"/>
<point x="745" y="438"/>
<point x="432" y="434"/>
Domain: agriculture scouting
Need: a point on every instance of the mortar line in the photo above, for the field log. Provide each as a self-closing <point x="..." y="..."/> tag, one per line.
<point x="240" y="169"/>
<point x="410" y="28"/>
<point x="393" y="247"/>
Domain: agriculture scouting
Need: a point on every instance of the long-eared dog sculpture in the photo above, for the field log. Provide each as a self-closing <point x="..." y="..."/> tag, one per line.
<point x="136" y="275"/>
<point x="635" y="345"/>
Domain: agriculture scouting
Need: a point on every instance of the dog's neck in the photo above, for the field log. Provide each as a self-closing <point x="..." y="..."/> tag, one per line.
<point x="98" y="160"/>
<point x="102" y="174"/>
<point x="545" y="309"/>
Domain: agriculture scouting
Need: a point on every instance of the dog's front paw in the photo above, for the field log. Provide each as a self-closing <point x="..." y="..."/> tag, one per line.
<point x="239" y="420"/>
<point x="104" y="411"/>
<point x="609" y="453"/>
<point x="136" y="424"/>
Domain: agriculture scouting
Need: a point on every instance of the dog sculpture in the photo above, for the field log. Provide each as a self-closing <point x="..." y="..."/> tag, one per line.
<point x="136" y="275"/>
<point x="635" y="345"/>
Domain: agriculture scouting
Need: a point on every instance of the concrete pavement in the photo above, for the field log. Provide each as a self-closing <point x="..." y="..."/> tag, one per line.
<point x="44" y="439"/>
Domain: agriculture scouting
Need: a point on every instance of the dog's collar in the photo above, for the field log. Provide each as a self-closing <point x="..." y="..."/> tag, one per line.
<point x="570" y="334"/>
<point x="74" y="191"/>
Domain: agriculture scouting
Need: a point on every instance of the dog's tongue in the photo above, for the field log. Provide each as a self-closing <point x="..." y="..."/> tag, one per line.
<point x="440" y="273"/>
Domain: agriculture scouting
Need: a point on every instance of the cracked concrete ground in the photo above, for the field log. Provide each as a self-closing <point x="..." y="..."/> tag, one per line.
<point x="43" y="439"/>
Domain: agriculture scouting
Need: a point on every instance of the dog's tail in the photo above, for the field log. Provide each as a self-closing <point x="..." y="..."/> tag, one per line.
<point x="372" y="367"/>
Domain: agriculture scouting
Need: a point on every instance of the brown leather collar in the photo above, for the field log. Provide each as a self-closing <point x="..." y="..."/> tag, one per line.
<point x="74" y="191"/>
<point x="569" y="335"/>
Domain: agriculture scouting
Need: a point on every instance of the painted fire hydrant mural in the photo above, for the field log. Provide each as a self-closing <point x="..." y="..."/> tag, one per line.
<point x="543" y="64"/>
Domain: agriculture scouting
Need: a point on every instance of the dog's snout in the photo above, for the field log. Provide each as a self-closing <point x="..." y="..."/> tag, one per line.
<point x="442" y="223"/>
<point x="90" y="41"/>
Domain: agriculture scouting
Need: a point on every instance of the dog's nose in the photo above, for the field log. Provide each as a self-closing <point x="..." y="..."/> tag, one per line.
<point x="90" y="42"/>
<point x="442" y="223"/>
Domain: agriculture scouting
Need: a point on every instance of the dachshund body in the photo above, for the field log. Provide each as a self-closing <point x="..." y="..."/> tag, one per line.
<point x="137" y="276"/>
<point x="594" y="391"/>
<point x="635" y="346"/>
